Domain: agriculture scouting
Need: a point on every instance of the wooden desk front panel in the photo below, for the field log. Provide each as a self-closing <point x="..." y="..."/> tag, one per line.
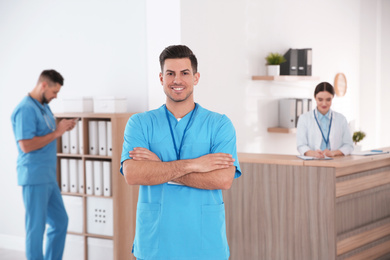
<point x="281" y="212"/>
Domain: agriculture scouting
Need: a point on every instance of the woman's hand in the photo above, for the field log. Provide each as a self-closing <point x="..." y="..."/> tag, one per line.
<point x="317" y="154"/>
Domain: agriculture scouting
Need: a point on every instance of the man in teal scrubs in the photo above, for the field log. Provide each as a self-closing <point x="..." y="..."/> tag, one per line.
<point x="182" y="155"/>
<point x="36" y="132"/>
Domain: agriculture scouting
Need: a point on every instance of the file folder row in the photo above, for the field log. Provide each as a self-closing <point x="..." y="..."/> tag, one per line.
<point x="72" y="141"/>
<point x="100" y="138"/>
<point x="98" y="178"/>
<point x="72" y="176"/>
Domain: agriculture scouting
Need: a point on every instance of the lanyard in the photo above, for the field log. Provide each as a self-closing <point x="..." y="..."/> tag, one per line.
<point x="44" y="114"/>
<point x="330" y="125"/>
<point x="185" y="130"/>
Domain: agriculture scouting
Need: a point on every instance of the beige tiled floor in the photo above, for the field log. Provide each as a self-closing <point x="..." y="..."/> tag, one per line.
<point x="6" y="254"/>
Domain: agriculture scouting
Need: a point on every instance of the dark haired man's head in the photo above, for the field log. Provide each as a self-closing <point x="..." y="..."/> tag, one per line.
<point x="178" y="52"/>
<point x="51" y="76"/>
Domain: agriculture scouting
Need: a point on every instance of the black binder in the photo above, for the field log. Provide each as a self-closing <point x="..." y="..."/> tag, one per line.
<point x="290" y="67"/>
<point x="304" y="61"/>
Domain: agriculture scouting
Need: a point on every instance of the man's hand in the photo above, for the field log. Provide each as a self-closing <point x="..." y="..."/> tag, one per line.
<point x="211" y="162"/>
<point x="143" y="154"/>
<point x="65" y="125"/>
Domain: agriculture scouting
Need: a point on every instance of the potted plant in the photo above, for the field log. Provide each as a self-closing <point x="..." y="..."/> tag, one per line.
<point x="273" y="63"/>
<point x="356" y="138"/>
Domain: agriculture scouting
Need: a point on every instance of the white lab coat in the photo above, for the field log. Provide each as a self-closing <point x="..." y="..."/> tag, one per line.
<point x="309" y="135"/>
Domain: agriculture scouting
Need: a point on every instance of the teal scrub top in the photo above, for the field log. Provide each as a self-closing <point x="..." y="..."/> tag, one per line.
<point x="29" y="119"/>
<point x="177" y="221"/>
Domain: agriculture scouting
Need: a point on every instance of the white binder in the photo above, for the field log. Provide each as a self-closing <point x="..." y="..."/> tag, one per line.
<point x="80" y="176"/>
<point x="65" y="142"/>
<point x="98" y="178"/>
<point x="102" y="132"/>
<point x="74" y="140"/>
<point x="93" y="137"/>
<point x="81" y="140"/>
<point x="73" y="175"/>
<point x="89" y="177"/>
<point x="109" y="138"/>
<point x="64" y="175"/>
<point x="107" y="179"/>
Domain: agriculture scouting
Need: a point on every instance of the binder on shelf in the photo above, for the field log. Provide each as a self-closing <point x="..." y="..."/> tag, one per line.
<point x="109" y="138"/>
<point x="306" y="105"/>
<point x="289" y="111"/>
<point x="290" y="66"/>
<point x="73" y="176"/>
<point x="304" y="61"/>
<point x="81" y="139"/>
<point x="98" y="178"/>
<point x="80" y="176"/>
<point x="89" y="177"/>
<point x="93" y="137"/>
<point x="102" y="132"/>
<point x="64" y="175"/>
<point x="107" y="179"/>
<point x="74" y="140"/>
<point x="65" y="142"/>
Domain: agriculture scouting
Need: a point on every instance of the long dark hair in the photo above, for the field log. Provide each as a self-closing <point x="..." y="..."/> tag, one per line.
<point x="324" y="86"/>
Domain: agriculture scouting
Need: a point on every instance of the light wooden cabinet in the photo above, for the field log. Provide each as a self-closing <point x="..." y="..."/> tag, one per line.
<point x="122" y="200"/>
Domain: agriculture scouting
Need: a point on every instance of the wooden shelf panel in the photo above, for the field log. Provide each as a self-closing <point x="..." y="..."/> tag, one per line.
<point x="361" y="239"/>
<point x="282" y="130"/>
<point x="285" y="78"/>
<point x="88" y="156"/>
<point x="362" y="183"/>
<point x="373" y="252"/>
<point x="68" y="155"/>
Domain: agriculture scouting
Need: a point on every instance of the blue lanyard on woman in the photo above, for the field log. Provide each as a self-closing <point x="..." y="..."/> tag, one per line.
<point x="184" y="133"/>
<point x="330" y="125"/>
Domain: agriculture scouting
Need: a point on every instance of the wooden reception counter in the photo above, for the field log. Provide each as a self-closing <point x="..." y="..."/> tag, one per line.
<point x="284" y="208"/>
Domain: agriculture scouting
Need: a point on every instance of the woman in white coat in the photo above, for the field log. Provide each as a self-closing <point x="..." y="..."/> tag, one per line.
<point x="323" y="132"/>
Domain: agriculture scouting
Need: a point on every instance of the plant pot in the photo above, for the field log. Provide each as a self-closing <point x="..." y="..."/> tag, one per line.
<point x="273" y="70"/>
<point x="357" y="148"/>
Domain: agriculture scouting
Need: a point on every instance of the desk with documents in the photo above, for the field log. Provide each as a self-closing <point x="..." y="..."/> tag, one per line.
<point x="100" y="206"/>
<point x="288" y="208"/>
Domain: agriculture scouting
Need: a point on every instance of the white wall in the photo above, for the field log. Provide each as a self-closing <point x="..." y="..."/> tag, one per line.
<point x="375" y="77"/>
<point x="231" y="40"/>
<point x="98" y="46"/>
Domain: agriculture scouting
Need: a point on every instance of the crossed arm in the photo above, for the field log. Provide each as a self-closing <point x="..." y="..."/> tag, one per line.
<point x="211" y="171"/>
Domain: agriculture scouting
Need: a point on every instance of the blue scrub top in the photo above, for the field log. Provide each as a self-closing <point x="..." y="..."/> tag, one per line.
<point x="28" y="121"/>
<point x="176" y="221"/>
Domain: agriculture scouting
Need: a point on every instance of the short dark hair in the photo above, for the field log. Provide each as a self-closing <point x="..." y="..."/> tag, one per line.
<point x="51" y="75"/>
<point x="178" y="52"/>
<point x="324" y="86"/>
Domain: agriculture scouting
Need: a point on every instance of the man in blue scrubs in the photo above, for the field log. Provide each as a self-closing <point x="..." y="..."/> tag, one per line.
<point x="182" y="155"/>
<point x="36" y="133"/>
